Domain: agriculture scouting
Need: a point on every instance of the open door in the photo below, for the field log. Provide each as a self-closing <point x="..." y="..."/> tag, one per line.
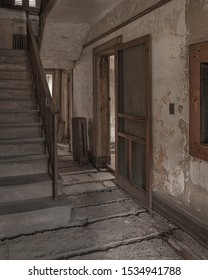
<point x="133" y="119"/>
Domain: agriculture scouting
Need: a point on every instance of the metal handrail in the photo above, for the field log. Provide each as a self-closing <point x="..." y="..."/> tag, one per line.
<point x="48" y="112"/>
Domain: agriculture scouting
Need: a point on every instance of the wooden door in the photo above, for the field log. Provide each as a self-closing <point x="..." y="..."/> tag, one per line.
<point x="133" y="119"/>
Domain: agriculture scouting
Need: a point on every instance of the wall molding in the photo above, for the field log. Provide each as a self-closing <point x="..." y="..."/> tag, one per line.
<point x="143" y="13"/>
<point x="180" y="218"/>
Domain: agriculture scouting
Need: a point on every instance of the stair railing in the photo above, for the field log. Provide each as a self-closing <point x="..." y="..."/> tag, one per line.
<point x="48" y="112"/>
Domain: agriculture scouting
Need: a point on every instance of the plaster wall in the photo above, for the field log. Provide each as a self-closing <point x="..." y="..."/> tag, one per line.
<point x="11" y="21"/>
<point x="177" y="176"/>
<point x="119" y="14"/>
<point x="14" y="21"/>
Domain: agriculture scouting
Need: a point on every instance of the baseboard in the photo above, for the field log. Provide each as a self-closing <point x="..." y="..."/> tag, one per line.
<point x="180" y="218"/>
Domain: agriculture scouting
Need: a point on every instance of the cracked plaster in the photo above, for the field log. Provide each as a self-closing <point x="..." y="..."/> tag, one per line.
<point x="172" y="28"/>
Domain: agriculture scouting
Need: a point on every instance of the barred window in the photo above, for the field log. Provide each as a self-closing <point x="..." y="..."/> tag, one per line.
<point x="18" y="2"/>
<point x="32" y="3"/>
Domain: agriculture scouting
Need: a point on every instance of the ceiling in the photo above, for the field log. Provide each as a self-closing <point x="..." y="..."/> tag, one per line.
<point x="82" y="11"/>
<point x="67" y="28"/>
<point x="72" y="23"/>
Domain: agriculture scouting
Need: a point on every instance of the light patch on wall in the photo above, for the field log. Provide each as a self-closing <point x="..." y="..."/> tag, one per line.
<point x="198" y="173"/>
<point x="49" y="78"/>
<point x="206" y="4"/>
<point x="175" y="183"/>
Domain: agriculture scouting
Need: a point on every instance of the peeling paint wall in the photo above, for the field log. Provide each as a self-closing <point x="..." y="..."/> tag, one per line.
<point x="177" y="176"/>
<point x="122" y="12"/>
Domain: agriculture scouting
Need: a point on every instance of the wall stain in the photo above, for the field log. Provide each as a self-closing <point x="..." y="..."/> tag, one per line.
<point x="180" y="109"/>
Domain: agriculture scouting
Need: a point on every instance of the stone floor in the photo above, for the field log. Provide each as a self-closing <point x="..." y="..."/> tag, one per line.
<point x="105" y="223"/>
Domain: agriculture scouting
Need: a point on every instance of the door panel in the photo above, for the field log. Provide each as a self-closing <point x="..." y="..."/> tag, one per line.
<point x="138" y="166"/>
<point x="134" y="128"/>
<point x="133" y="114"/>
<point x="132" y="99"/>
<point x="123" y="168"/>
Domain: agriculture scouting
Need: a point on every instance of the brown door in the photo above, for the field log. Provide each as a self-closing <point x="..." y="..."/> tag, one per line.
<point x="133" y="119"/>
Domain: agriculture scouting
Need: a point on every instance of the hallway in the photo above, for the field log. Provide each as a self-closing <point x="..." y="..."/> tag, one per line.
<point x="105" y="224"/>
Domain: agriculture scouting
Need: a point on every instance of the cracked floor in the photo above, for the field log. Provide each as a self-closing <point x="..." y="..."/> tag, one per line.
<point x="105" y="223"/>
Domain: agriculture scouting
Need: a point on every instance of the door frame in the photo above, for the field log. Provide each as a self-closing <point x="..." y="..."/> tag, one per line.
<point x="100" y="153"/>
<point x="145" y="197"/>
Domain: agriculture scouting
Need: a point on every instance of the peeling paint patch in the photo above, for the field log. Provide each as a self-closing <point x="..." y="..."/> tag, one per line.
<point x="183" y="127"/>
<point x="175" y="183"/>
<point x="199" y="174"/>
<point x="180" y="109"/>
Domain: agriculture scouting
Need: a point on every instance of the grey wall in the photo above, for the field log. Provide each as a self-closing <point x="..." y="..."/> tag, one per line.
<point x="119" y="14"/>
<point x="14" y="21"/>
<point x="11" y="21"/>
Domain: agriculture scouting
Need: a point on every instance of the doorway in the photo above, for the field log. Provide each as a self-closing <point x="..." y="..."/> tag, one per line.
<point x="112" y="110"/>
<point x="122" y="115"/>
<point x="100" y="148"/>
<point x="59" y="83"/>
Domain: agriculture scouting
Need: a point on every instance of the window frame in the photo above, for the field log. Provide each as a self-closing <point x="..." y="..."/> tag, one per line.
<point x="26" y="3"/>
<point x="50" y="88"/>
<point x="33" y="10"/>
<point x="198" y="54"/>
<point x="50" y="72"/>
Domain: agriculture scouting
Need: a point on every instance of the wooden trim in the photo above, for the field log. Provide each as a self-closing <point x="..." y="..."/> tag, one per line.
<point x="47" y="109"/>
<point x="105" y="49"/>
<point x="132" y="138"/>
<point x="149" y="151"/>
<point x="132" y="117"/>
<point x="39" y="65"/>
<point x="198" y="53"/>
<point x="123" y="24"/>
<point x="116" y="112"/>
<point x="130" y="160"/>
<point x="141" y="40"/>
<point x="180" y="218"/>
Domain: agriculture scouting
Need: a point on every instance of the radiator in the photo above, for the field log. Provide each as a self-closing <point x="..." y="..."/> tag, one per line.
<point x="20" y="41"/>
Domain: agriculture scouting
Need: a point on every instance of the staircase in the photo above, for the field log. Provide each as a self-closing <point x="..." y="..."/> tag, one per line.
<point x="25" y="184"/>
